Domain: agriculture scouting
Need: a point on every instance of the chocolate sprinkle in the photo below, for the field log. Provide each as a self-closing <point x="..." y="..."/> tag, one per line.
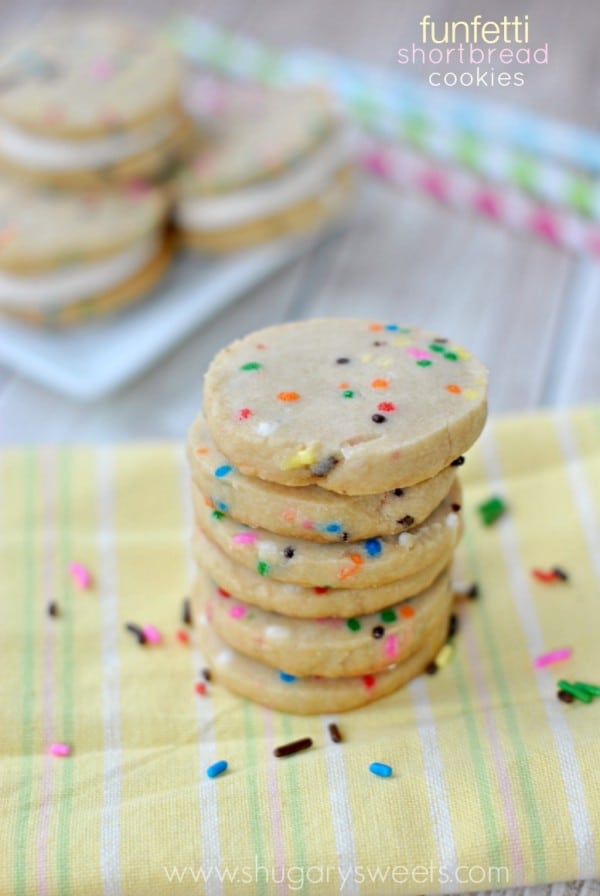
<point x="207" y="675"/>
<point x="407" y="520"/>
<point x="186" y="613"/>
<point x="342" y="360"/>
<point x="288" y="552"/>
<point x="456" y="507"/>
<point x="452" y="625"/>
<point x="345" y="536"/>
<point x="324" y="466"/>
<point x="398" y="492"/>
<point x="560" y="573"/>
<point x="431" y="668"/>
<point x="473" y="592"/>
<point x="378" y="631"/>
<point x="52" y="609"/>
<point x="294" y="747"/>
<point x="334" y="733"/>
<point x="565" y="696"/>
<point x="458" y="462"/>
<point x="378" y="418"/>
<point x="137" y="631"/>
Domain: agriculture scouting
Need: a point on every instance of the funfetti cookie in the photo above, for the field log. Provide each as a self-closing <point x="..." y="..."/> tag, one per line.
<point x="331" y="647"/>
<point x="309" y="695"/>
<point x="355" y="406"/>
<point x="308" y="512"/>
<point x="279" y="163"/>
<point x="365" y="564"/>
<point x="65" y="256"/>
<point x="314" y="602"/>
<point x="85" y="97"/>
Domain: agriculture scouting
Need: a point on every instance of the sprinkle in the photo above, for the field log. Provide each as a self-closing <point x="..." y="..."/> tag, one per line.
<point x="452" y="626"/>
<point x="285" y="676"/>
<point x="186" y="612"/>
<point x="245" y="537"/>
<point x="452" y="520"/>
<point x="453" y="388"/>
<point x="152" y="634"/>
<point x="288" y="396"/>
<point x="237" y="611"/>
<point x="342" y="360"/>
<point x="222" y="471"/>
<point x="369" y="681"/>
<point x="324" y="466"/>
<point x="398" y="492"/>
<point x="424" y="363"/>
<point x="304" y="457"/>
<point x="431" y="668"/>
<point x="373" y="547"/>
<point x="244" y="413"/>
<point x="353" y="624"/>
<point x="407" y="520"/>
<point x="380" y="384"/>
<point x="554" y="656"/>
<point x="182" y="636"/>
<point x="52" y="609"/>
<point x="305" y="743"/>
<point x="575" y="691"/>
<point x="265" y="428"/>
<point x="378" y="632"/>
<point x="374" y="328"/>
<point x="332" y="527"/>
<point x="137" y="631"/>
<point x="565" y="696"/>
<point x="436" y="347"/>
<point x="81" y="576"/>
<point x="444" y="656"/>
<point x="276" y="632"/>
<point x="418" y="353"/>
<point x="491" y="510"/>
<point x="251" y="365"/>
<point x="560" y="573"/>
<point x="378" y="418"/>
<point x="473" y="592"/>
<point x="388" y="615"/>
<point x="200" y="688"/>
<point x="407" y="611"/>
<point x="592" y="689"/>
<point x="59" y="750"/>
<point x="406" y="540"/>
<point x="458" y="462"/>
<point x="334" y="733"/>
<point x="542" y="576"/>
<point x="456" y="507"/>
<point x="348" y="393"/>
<point x="386" y="406"/>
<point x="381" y="769"/>
<point x="391" y="647"/>
<point x="222" y="593"/>
<point x="288" y="552"/>
<point x="217" y="768"/>
<point x="224" y="657"/>
<point x="262" y="568"/>
<point x="206" y="674"/>
<point x="217" y="514"/>
<point x="321" y="589"/>
<point x="451" y="356"/>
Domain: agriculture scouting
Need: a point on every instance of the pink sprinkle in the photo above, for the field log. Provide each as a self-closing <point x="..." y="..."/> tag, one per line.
<point x="245" y="538"/>
<point x="307" y="524"/>
<point x="137" y="188"/>
<point x="101" y="69"/>
<point x="377" y="162"/>
<point x="554" y="656"/>
<point x="80" y="575"/>
<point x="59" y="750"/>
<point x="391" y="647"/>
<point x="488" y="203"/>
<point x="434" y="183"/>
<point x="237" y="611"/>
<point x="545" y="224"/>
<point x="152" y="634"/>
<point x="418" y="353"/>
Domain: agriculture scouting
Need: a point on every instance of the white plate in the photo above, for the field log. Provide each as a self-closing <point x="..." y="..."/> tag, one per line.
<point x="94" y="359"/>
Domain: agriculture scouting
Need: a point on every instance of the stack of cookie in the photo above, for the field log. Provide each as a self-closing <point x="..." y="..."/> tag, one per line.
<point x="328" y="509"/>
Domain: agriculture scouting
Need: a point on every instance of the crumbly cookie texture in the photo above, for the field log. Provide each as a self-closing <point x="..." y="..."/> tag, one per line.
<point x="309" y="695"/>
<point x="355" y="406"/>
<point x="308" y="512"/>
<point x="81" y="76"/>
<point x="331" y="647"/>
<point x="308" y="603"/>
<point x="365" y="564"/>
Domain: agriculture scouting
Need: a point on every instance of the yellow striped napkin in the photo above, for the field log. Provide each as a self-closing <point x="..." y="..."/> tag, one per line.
<point x="495" y="782"/>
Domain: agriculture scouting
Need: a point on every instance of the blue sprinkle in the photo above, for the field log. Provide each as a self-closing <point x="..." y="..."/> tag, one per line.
<point x="220" y="505"/>
<point x="217" y="768"/>
<point x="285" y="676"/>
<point x="332" y="527"/>
<point x="381" y="769"/>
<point x="223" y="471"/>
<point x="391" y="327"/>
<point x="373" y="547"/>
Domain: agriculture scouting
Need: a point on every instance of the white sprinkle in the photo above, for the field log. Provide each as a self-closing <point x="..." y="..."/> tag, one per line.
<point x="265" y="428"/>
<point x="277" y="632"/>
<point x="406" y="540"/>
<point x="224" y="657"/>
<point x="452" y="520"/>
<point x="202" y="619"/>
<point x="267" y="550"/>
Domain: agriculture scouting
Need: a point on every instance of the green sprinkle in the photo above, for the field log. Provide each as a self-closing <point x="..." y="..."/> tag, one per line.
<point x="415" y="129"/>
<point x="348" y="393"/>
<point x="436" y="347"/>
<point x="491" y="510"/>
<point x="524" y="173"/>
<point x="251" y="365"/>
<point x="578" y="692"/>
<point x="451" y="356"/>
<point x="353" y="624"/>
<point x="217" y="514"/>
<point x="579" y="192"/>
<point x="424" y="363"/>
<point x="388" y="616"/>
<point x="262" y="568"/>
<point x="469" y="150"/>
<point x="592" y="689"/>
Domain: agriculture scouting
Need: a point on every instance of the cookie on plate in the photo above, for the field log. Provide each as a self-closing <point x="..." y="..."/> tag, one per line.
<point x="86" y="98"/>
<point x="279" y="163"/>
<point x="355" y="406"/>
<point x="66" y="256"/>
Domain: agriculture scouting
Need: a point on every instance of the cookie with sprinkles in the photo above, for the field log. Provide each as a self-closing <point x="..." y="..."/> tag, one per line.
<point x="328" y="646"/>
<point x="364" y="564"/>
<point x="314" y="602"/>
<point x="67" y="256"/>
<point x="357" y="407"/>
<point x="85" y="98"/>
<point x="278" y="162"/>
<point x="307" y="695"/>
<point x="308" y="512"/>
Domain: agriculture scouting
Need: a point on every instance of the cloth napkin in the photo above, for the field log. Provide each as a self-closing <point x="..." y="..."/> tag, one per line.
<point x="495" y="782"/>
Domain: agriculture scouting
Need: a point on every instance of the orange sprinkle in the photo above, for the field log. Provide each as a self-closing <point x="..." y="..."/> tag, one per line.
<point x="208" y="502"/>
<point x="407" y="612"/>
<point x="288" y="396"/>
<point x="357" y="559"/>
<point x="344" y="385"/>
<point x="201" y="451"/>
<point x="380" y="384"/>
<point x="456" y="390"/>
<point x="347" y="571"/>
<point x="375" y="327"/>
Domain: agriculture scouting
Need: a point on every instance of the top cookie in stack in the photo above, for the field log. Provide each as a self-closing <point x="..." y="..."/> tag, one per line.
<point x="310" y="428"/>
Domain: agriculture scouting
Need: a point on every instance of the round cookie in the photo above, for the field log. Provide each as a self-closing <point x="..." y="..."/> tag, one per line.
<point x="62" y="251"/>
<point x="311" y="695"/>
<point x="367" y="564"/>
<point x="356" y="407"/>
<point x="84" y="93"/>
<point x="308" y="603"/>
<point x="331" y="647"/>
<point x="308" y="512"/>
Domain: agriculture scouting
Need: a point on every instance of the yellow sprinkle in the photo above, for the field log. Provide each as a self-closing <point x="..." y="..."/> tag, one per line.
<point x="471" y="393"/>
<point x="302" y="458"/>
<point x="401" y="341"/>
<point x="384" y="362"/>
<point x="366" y="358"/>
<point x="462" y="353"/>
<point x="444" y="656"/>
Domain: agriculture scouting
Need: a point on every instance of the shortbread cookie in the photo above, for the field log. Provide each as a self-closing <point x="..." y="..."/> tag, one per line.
<point x="311" y="695"/>
<point x="356" y="407"/>
<point x="366" y="564"/>
<point x="62" y="251"/>
<point x="308" y="512"/>
<point x="331" y="647"/>
<point x="88" y="93"/>
<point x="278" y="164"/>
<point x="308" y="603"/>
